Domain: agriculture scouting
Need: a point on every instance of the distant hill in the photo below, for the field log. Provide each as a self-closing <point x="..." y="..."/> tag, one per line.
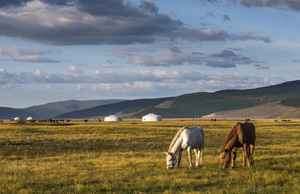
<point x="282" y="100"/>
<point x="264" y="111"/>
<point x="52" y="109"/>
<point x="128" y="107"/>
<point x="284" y="95"/>
<point x="10" y="113"/>
<point x="292" y="101"/>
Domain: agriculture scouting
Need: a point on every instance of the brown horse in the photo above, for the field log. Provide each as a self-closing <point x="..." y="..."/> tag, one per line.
<point x="242" y="135"/>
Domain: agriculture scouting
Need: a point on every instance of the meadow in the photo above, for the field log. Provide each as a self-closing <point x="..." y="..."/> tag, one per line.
<point x="127" y="157"/>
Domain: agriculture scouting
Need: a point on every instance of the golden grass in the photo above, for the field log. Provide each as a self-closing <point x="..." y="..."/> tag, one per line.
<point x="127" y="157"/>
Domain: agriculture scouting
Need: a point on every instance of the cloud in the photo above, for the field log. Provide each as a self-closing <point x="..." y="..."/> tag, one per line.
<point x="292" y="4"/>
<point x="211" y="34"/>
<point x="7" y="3"/>
<point x="150" y="7"/>
<point x="171" y="57"/>
<point x="24" y="55"/>
<point x="40" y="85"/>
<point x="261" y="67"/>
<point x="75" y="75"/>
<point x="226" y="18"/>
<point x="44" y="92"/>
<point x="74" y="71"/>
<point x="296" y="60"/>
<point x="175" y="56"/>
<point x="228" y="59"/>
<point x="70" y="22"/>
<point x="155" y="76"/>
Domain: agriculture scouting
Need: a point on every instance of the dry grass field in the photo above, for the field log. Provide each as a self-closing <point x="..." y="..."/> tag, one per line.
<point x="127" y="157"/>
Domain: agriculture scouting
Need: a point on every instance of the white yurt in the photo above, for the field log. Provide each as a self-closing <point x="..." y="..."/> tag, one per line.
<point x="209" y="116"/>
<point x="151" y="118"/>
<point x="17" y="119"/>
<point x="112" y="118"/>
<point x="29" y="119"/>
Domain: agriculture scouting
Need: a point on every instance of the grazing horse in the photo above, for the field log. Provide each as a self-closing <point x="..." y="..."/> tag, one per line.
<point x="242" y="135"/>
<point x="186" y="138"/>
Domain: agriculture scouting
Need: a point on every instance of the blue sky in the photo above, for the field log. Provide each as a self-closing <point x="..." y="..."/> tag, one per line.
<point x="54" y="50"/>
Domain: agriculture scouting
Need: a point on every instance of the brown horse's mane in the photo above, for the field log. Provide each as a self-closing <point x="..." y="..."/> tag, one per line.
<point x="230" y="135"/>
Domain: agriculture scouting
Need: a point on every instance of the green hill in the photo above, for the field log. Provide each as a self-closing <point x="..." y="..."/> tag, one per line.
<point x="50" y="110"/>
<point x="57" y="108"/>
<point x="282" y="99"/>
<point x="197" y="104"/>
<point x="292" y="101"/>
<point x="128" y="107"/>
<point x="10" y="113"/>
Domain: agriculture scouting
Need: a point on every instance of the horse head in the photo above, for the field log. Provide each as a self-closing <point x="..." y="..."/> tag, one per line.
<point x="225" y="158"/>
<point x="170" y="160"/>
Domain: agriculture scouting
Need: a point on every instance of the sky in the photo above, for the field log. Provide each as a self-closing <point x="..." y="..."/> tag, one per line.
<point x="53" y="50"/>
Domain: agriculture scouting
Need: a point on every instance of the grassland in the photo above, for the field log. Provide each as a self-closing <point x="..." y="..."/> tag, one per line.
<point x="127" y="157"/>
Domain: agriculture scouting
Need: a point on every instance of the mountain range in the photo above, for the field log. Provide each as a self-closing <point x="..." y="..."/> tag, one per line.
<point x="50" y="110"/>
<point x="275" y="101"/>
<point x="282" y="99"/>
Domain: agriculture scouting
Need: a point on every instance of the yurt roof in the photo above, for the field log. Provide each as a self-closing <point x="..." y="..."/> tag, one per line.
<point x="112" y="116"/>
<point x="152" y="115"/>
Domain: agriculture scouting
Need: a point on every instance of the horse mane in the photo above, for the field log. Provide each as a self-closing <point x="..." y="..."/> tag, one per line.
<point x="229" y="136"/>
<point x="175" y="138"/>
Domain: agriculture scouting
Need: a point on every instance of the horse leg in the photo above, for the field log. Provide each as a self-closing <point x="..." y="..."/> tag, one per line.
<point x="233" y="159"/>
<point x="179" y="158"/>
<point x="196" y="151"/>
<point x="189" y="151"/>
<point x="252" y="147"/>
<point x="245" y="155"/>
<point x="248" y="156"/>
<point x="201" y="156"/>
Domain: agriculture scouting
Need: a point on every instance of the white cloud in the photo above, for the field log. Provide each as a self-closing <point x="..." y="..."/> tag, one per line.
<point x="147" y="80"/>
<point x="2" y="70"/>
<point x="11" y="53"/>
<point x="74" y="71"/>
<point x="174" y="56"/>
<point x="40" y="73"/>
<point x="292" y="4"/>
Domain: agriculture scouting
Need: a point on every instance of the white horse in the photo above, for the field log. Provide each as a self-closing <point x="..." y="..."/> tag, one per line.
<point x="186" y="138"/>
